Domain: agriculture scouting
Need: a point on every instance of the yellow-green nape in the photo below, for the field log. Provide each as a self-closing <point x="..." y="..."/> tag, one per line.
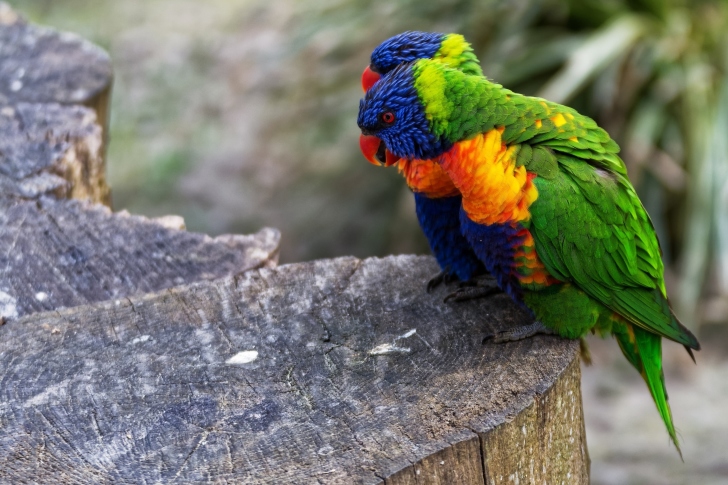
<point x="457" y="53"/>
<point x="451" y="50"/>
<point x="430" y="83"/>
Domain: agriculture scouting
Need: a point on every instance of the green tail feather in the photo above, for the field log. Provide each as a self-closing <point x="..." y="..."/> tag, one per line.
<point x="644" y="351"/>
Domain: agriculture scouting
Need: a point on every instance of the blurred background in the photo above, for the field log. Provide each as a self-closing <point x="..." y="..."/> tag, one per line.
<point x="237" y="114"/>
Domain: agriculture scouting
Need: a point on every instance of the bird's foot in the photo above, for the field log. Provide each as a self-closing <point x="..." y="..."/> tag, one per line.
<point x="471" y="293"/>
<point x="443" y="276"/>
<point x="485" y="279"/>
<point x="519" y="333"/>
<point x="479" y="287"/>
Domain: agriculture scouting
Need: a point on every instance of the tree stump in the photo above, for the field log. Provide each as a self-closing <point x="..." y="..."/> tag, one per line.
<point x="41" y="65"/>
<point x="336" y="371"/>
<point x="180" y="358"/>
<point x="56" y="252"/>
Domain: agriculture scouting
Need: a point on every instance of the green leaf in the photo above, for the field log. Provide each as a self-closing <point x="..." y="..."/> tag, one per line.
<point x="602" y="47"/>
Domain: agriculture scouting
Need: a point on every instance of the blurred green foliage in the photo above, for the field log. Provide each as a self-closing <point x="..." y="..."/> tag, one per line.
<point x="237" y="114"/>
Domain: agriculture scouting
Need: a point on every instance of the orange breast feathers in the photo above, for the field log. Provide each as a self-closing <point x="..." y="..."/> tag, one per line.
<point x="530" y="271"/>
<point x="427" y="178"/>
<point x="484" y="170"/>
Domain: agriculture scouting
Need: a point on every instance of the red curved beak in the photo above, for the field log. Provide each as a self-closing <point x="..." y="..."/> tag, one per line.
<point x="370" y="148"/>
<point x="368" y="78"/>
<point x="374" y="150"/>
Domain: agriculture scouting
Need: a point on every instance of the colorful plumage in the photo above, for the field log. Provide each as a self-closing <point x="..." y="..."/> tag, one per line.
<point x="546" y="206"/>
<point x="437" y="200"/>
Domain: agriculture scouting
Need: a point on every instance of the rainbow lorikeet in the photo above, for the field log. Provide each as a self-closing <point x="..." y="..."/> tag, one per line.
<point x="437" y="200"/>
<point x="546" y="206"/>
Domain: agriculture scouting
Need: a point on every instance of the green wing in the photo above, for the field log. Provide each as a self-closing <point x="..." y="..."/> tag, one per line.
<point x="591" y="229"/>
<point x="563" y="130"/>
<point x="588" y="224"/>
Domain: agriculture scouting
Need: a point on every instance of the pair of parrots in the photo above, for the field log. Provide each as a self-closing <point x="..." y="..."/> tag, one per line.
<point x="526" y="189"/>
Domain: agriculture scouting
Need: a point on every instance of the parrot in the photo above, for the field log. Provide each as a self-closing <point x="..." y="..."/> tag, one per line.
<point x="437" y="200"/>
<point x="546" y="205"/>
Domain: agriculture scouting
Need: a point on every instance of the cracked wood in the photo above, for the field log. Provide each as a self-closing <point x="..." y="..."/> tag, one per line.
<point x="56" y="252"/>
<point x="141" y="390"/>
<point x="41" y="65"/>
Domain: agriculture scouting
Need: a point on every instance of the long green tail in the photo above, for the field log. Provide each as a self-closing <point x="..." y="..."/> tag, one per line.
<point x="644" y="351"/>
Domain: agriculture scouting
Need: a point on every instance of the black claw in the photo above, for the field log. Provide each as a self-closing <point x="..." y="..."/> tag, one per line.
<point x="434" y="282"/>
<point x="472" y="293"/>
<point x="479" y="286"/>
<point x="485" y="280"/>
<point x="439" y="278"/>
<point x="450" y="278"/>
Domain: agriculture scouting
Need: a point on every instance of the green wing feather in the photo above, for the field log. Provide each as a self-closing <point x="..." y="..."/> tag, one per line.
<point x="591" y="229"/>
<point x="644" y="351"/>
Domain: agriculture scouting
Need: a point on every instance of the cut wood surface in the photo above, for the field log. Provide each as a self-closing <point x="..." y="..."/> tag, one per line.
<point x="71" y="253"/>
<point x="334" y="371"/>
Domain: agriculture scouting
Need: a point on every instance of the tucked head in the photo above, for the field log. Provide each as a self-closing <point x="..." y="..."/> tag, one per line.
<point x="450" y="49"/>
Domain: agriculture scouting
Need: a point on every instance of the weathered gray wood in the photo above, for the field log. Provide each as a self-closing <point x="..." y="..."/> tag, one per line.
<point x="360" y="377"/>
<point x="60" y="253"/>
<point x="41" y="65"/>
<point x="50" y="149"/>
<point x="549" y="436"/>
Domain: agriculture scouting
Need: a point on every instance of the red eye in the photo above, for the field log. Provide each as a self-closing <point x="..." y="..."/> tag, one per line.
<point x="388" y="117"/>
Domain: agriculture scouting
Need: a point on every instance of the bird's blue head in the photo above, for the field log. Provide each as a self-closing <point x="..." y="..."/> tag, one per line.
<point x="392" y="111"/>
<point x="450" y="49"/>
<point x="405" y="47"/>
